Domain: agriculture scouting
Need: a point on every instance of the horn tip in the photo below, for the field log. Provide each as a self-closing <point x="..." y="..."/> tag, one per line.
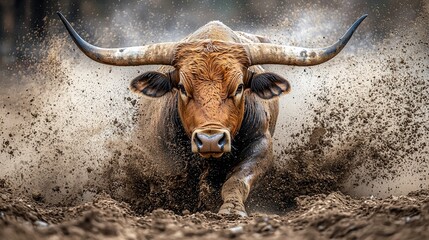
<point x="363" y="16"/>
<point x="63" y="19"/>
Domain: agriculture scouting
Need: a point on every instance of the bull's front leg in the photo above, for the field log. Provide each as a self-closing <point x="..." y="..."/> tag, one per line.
<point x="257" y="159"/>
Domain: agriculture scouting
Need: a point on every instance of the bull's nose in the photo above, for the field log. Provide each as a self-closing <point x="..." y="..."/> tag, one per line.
<point x="211" y="141"/>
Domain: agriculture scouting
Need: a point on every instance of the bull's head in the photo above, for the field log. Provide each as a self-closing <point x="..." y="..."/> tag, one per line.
<point x="211" y="78"/>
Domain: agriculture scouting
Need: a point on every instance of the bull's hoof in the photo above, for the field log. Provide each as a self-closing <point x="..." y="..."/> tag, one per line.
<point x="231" y="209"/>
<point x="229" y="212"/>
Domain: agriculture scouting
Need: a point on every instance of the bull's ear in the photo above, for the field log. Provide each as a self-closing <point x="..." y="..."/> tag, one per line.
<point x="268" y="85"/>
<point x="152" y="84"/>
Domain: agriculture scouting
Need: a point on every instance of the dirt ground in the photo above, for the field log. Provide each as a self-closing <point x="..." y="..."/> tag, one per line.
<point x="332" y="216"/>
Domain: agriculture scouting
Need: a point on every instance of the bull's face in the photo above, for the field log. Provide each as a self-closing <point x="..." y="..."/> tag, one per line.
<point x="211" y="80"/>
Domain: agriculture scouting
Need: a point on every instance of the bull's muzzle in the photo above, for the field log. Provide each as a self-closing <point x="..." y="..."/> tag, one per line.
<point x="211" y="142"/>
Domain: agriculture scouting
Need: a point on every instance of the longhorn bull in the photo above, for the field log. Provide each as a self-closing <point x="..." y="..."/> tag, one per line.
<point x="218" y="102"/>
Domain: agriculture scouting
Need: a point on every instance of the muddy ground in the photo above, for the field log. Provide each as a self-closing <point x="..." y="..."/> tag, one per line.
<point x="332" y="216"/>
<point x="351" y="144"/>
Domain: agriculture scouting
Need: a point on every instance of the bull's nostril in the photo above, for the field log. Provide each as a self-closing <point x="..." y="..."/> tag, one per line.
<point x="198" y="141"/>
<point x="222" y="141"/>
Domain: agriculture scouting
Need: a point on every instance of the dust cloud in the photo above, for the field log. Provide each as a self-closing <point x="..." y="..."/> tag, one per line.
<point x="366" y="109"/>
<point x="358" y="123"/>
<point x="56" y="117"/>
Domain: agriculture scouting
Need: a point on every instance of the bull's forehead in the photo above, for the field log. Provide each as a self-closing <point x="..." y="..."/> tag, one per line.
<point x="211" y="80"/>
<point x="212" y="91"/>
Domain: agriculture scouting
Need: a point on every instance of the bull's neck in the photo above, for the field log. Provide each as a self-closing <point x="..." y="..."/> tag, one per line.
<point x="171" y="127"/>
<point x="252" y="124"/>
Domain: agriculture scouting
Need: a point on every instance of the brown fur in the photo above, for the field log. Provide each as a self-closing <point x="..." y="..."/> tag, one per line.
<point x="211" y="72"/>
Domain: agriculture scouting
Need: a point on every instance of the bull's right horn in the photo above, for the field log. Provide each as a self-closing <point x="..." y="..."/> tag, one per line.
<point x="156" y="54"/>
<point x="265" y="53"/>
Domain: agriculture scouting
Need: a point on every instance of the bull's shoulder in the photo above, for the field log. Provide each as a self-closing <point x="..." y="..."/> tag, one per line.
<point x="214" y="30"/>
<point x="217" y="24"/>
<point x="251" y="38"/>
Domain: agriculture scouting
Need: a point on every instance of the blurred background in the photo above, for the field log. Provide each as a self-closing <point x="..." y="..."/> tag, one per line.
<point x="22" y="20"/>
<point x="358" y="123"/>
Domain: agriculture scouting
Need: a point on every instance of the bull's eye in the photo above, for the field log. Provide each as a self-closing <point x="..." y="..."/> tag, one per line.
<point x="239" y="89"/>
<point x="182" y="90"/>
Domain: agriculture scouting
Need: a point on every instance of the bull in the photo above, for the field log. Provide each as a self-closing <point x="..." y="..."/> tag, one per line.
<point x="217" y="101"/>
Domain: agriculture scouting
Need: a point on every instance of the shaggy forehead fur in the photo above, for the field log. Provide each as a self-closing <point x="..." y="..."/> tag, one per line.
<point x="210" y="63"/>
<point x="202" y="55"/>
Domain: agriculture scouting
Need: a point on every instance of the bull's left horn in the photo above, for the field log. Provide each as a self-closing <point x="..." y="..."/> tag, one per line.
<point x="157" y="54"/>
<point x="263" y="53"/>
